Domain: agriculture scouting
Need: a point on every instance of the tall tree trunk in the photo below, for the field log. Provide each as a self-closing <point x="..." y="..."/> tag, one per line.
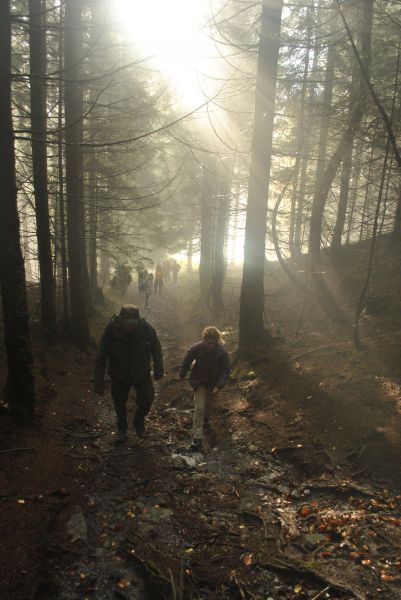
<point x="73" y="113"/>
<point x="302" y="133"/>
<point x="373" y="243"/>
<point x="326" y="108"/>
<point x="20" y="381"/>
<point x="60" y="187"/>
<point x="222" y="204"/>
<point x="301" y="163"/>
<point x="235" y="225"/>
<point x="397" y="222"/>
<point x="92" y="213"/>
<point x="189" y="256"/>
<point x="346" y="173"/>
<point x="356" y="174"/>
<point x="100" y="40"/>
<point x="37" y="47"/>
<point x="206" y="234"/>
<point x="251" y="325"/>
<point x="342" y="203"/>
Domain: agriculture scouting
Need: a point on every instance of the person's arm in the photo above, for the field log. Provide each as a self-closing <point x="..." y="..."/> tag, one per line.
<point x="101" y="361"/>
<point x="155" y="350"/>
<point x="188" y="360"/>
<point x="225" y="370"/>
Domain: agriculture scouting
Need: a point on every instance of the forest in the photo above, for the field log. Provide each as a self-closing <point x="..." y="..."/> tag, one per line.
<point x="212" y="189"/>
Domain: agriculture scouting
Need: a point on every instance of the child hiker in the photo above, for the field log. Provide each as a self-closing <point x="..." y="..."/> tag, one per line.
<point x="208" y="376"/>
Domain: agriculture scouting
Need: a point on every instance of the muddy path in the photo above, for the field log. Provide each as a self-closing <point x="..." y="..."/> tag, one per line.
<point x="243" y="520"/>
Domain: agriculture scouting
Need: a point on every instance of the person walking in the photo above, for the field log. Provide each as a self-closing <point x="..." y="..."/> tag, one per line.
<point x="142" y="278"/>
<point x="148" y="287"/>
<point x="167" y="269"/>
<point x="128" y="345"/>
<point x="159" y="279"/>
<point x="175" y="267"/>
<point x="209" y="374"/>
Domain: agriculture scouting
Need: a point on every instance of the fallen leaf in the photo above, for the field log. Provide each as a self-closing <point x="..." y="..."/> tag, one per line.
<point x="386" y="577"/>
<point x="304" y="510"/>
<point x="123" y="584"/>
<point x="248" y="560"/>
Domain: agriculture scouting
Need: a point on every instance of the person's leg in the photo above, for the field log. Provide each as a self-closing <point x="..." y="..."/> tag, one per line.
<point x="119" y="393"/>
<point x="199" y="414"/>
<point x="209" y="407"/>
<point x="144" y="399"/>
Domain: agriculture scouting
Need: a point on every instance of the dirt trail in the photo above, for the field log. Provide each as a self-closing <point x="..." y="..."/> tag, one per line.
<point x="242" y="521"/>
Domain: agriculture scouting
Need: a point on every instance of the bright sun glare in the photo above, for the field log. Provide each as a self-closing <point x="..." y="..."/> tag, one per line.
<point x="171" y="32"/>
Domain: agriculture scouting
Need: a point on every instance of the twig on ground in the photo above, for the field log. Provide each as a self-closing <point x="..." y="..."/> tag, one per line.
<point x="16" y="450"/>
<point x="172" y="584"/>
<point x="292" y="358"/>
<point x="388" y="540"/>
<point x="285" y="565"/>
<point x="243" y="592"/>
<point x="320" y="594"/>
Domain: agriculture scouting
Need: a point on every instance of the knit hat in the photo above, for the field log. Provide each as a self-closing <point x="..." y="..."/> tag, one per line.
<point x="129" y="313"/>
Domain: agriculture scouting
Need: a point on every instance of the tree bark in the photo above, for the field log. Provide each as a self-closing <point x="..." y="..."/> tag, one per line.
<point x="20" y="381"/>
<point x="338" y="231"/>
<point x="219" y="254"/>
<point x="37" y="48"/>
<point x="326" y="109"/>
<point x="336" y="246"/>
<point x="60" y="189"/>
<point x="304" y="147"/>
<point x="73" y="113"/>
<point x="189" y="256"/>
<point x="296" y="209"/>
<point x="206" y="234"/>
<point x="251" y="325"/>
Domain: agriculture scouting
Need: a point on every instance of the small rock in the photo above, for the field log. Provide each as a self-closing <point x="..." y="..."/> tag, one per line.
<point x="312" y="540"/>
<point x="76" y="528"/>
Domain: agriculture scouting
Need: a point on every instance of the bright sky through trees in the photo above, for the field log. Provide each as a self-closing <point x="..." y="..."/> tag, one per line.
<point x="172" y="32"/>
<point x="176" y="37"/>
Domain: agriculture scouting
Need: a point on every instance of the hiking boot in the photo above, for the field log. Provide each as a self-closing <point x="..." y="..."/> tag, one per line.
<point x="196" y="446"/>
<point x="140" y="431"/>
<point x="121" y="438"/>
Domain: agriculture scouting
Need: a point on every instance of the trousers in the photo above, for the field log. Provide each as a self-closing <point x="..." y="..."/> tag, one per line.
<point x="145" y="394"/>
<point x="202" y="410"/>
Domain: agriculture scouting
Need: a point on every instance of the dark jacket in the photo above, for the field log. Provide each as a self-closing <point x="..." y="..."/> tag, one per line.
<point x="211" y="369"/>
<point x="128" y="354"/>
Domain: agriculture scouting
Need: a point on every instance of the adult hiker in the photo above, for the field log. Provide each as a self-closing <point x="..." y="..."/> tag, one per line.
<point x="128" y="344"/>
<point x="121" y="279"/>
<point x="167" y="269"/>
<point x="175" y="267"/>
<point x="208" y="376"/>
<point x="148" y="286"/>
<point x="159" y="279"/>
<point x="142" y="278"/>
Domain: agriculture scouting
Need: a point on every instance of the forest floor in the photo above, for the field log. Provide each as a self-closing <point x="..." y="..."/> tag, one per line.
<point x="297" y="495"/>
